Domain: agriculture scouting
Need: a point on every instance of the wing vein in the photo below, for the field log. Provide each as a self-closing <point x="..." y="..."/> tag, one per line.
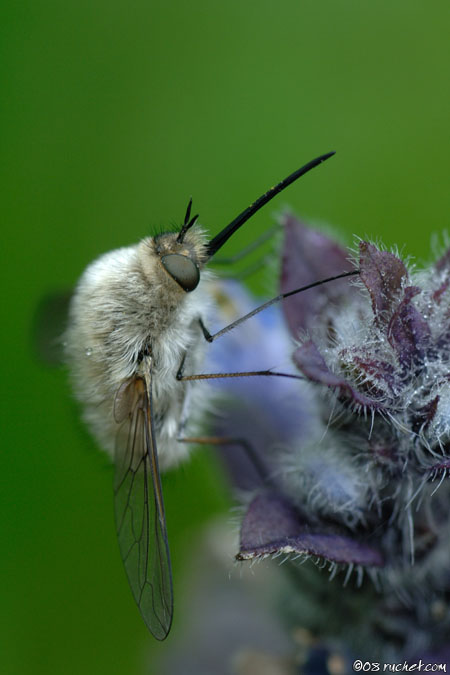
<point x="139" y="506"/>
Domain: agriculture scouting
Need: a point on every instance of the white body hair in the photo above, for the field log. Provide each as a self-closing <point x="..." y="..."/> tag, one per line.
<point x="125" y="305"/>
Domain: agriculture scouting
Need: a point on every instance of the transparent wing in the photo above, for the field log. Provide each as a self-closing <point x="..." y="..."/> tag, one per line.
<point x="139" y="507"/>
<point x="49" y="323"/>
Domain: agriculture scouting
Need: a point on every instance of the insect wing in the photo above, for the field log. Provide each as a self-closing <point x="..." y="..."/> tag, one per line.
<point x="49" y="324"/>
<point x="139" y="506"/>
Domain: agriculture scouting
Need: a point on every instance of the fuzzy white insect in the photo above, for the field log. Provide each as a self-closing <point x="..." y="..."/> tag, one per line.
<point x="136" y="323"/>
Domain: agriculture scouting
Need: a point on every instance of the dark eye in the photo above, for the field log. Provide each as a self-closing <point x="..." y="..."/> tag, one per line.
<point x="183" y="270"/>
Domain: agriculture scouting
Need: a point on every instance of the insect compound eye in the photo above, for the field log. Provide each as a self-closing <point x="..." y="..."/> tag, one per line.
<point x="183" y="270"/>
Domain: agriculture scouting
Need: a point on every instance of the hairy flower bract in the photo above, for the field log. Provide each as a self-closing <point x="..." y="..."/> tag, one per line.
<point x="356" y="451"/>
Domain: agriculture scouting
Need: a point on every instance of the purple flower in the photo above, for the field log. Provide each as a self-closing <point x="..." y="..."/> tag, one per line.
<point x="245" y="407"/>
<point x="355" y="451"/>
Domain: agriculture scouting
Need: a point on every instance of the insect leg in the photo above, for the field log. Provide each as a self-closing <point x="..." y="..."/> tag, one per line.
<point x="216" y="376"/>
<point x="249" y="373"/>
<point x="211" y="337"/>
<point x="252" y="454"/>
<point x="250" y="451"/>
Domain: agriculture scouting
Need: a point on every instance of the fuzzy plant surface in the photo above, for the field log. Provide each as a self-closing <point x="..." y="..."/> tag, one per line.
<point x="350" y="462"/>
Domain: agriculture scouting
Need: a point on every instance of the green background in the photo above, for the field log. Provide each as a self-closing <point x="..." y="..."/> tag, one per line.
<point x="113" y="114"/>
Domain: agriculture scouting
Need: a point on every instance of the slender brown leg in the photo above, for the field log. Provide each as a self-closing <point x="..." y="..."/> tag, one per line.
<point x="217" y="376"/>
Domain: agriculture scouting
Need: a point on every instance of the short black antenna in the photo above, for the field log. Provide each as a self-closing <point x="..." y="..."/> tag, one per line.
<point x="219" y="240"/>
<point x="187" y="224"/>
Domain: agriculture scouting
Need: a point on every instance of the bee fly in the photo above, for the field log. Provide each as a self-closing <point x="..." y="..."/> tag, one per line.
<point x="136" y="322"/>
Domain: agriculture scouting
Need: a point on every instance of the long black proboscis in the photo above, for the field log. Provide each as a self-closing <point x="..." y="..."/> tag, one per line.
<point x="219" y="240"/>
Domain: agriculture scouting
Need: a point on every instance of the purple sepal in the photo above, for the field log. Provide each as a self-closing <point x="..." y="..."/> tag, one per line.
<point x="439" y="292"/>
<point x="383" y="274"/>
<point x="312" y="364"/>
<point x="310" y="256"/>
<point x="439" y="468"/>
<point x="444" y="262"/>
<point x="272" y="525"/>
<point x="424" y="416"/>
<point x="442" y="266"/>
<point x="408" y="332"/>
<point x="378" y="370"/>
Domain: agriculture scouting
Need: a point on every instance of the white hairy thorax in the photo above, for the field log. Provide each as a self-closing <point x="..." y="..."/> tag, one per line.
<point x="126" y="304"/>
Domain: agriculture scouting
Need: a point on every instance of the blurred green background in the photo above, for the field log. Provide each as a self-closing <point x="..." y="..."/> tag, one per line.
<point x="113" y="114"/>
